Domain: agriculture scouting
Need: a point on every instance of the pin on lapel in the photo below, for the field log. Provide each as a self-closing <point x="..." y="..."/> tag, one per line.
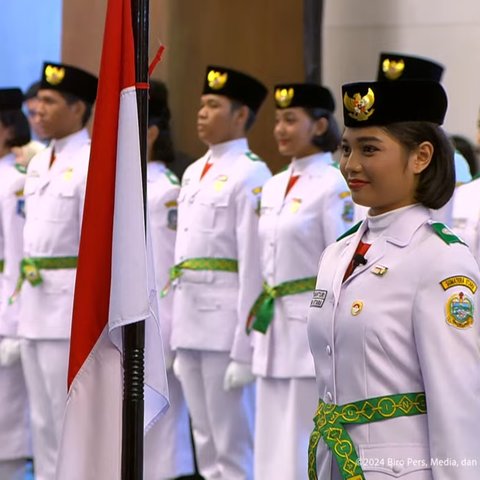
<point x="379" y="270"/>
<point x="357" y="307"/>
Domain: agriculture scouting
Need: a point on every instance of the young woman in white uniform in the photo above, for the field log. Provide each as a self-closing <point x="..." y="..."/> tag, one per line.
<point x="14" y="423"/>
<point x="168" y="446"/>
<point x="393" y="324"/>
<point x="303" y="209"/>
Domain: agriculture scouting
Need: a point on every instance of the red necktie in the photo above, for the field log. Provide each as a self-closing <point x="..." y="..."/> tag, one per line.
<point x="206" y="168"/>
<point x="52" y="158"/>
<point x="291" y="182"/>
<point x="360" y="252"/>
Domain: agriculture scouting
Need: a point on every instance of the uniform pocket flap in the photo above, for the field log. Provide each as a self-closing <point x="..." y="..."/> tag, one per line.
<point x="395" y="460"/>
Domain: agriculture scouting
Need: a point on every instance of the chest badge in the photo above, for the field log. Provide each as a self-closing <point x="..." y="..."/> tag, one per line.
<point x="357" y="307"/>
<point x="220" y="182"/>
<point x="459" y="311"/>
<point x="318" y="299"/>
<point x="295" y="205"/>
<point x="379" y="270"/>
<point x="68" y="174"/>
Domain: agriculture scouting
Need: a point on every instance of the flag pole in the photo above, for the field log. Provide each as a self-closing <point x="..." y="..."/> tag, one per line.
<point x="134" y="334"/>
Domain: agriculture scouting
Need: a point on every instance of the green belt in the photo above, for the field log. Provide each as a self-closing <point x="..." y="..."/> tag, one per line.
<point x="2" y="266"/>
<point x="262" y="309"/>
<point x="202" y="263"/>
<point x="30" y="270"/>
<point x="329" y="425"/>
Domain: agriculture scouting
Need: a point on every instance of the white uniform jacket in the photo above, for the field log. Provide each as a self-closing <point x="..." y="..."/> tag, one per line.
<point x="466" y="215"/>
<point x="12" y="219"/>
<point x="162" y="192"/>
<point x="397" y="325"/>
<point x="54" y="199"/>
<point x="217" y="217"/>
<point x="294" y="230"/>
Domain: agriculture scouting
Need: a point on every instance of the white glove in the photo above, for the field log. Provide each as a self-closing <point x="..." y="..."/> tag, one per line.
<point x="9" y="351"/>
<point x="176" y="367"/>
<point x="237" y="375"/>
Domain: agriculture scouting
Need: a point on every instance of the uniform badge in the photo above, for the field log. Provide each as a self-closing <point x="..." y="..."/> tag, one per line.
<point x="20" y="208"/>
<point x="459" y="311"/>
<point x="348" y="210"/>
<point x="459" y="281"/>
<point x="172" y="216"/>
<point x="257" y="190"/>
<point x="220" y="182"/>
<point x="357" y="307"/>
<point x="379" y="270"/>
<point x="68" y="174"/>
<point x="295" y="205"/>
<point x="318" y="299"/>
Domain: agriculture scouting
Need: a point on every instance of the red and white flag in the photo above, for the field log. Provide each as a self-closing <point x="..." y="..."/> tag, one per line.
<point x="114" y="283"/>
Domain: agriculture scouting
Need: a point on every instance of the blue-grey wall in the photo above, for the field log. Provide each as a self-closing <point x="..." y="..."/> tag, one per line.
<point x="30" y="32"/>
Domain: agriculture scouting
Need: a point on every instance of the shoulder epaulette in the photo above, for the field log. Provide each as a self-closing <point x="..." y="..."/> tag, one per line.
<point x="350" y="231"/>
<point x="172" y="177"/>
<point x="445" y="233"/>
<point x="253" y="157"/>
<point x="335" y="165"/>
<point x="21" y="168"/>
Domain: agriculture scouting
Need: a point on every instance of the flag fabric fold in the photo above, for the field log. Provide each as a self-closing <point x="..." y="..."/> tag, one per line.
<point x="115" y="283"/>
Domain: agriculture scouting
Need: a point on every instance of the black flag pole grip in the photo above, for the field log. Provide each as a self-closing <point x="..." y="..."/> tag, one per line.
<point x="134" y="334"/>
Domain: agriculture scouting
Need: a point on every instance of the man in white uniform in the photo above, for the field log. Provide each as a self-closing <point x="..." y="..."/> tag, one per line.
<point x="54" y="196"/>
<point x="217" y="275"/>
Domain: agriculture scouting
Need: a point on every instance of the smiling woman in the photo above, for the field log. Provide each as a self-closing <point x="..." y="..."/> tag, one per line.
<point x="389" y="309"/>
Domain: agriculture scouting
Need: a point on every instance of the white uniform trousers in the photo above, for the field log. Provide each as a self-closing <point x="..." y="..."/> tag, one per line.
<point x="45" y="366"/>
<point x="168" y="446"/>
<point x="222" y="421"/>
<point x="284" y="420"/>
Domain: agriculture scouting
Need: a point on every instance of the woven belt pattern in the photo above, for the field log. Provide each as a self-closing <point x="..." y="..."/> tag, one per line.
<point x="329" y="426"/>
<point x="261" y="314"/>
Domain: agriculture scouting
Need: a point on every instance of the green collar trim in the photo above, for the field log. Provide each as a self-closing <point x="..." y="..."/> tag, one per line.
<point x="350" y="231"/>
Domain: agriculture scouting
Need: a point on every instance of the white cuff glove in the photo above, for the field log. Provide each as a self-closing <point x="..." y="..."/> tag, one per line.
<point x="9" y="351"/>
<point x="176" y="367"/>
<point x="237" y="375"/>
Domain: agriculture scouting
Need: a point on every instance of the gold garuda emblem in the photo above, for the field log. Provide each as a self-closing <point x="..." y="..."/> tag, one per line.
<point x="360" y="108"/>
<point x="217" y="80"/>
<point x="284" y="96"/>
<point x="54" y="75"/>
<point x="393" y="69"/>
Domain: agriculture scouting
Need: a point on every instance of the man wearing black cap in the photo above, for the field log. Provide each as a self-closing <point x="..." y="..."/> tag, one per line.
<point x="217" y="275"/>
<point x="54" y="196"/>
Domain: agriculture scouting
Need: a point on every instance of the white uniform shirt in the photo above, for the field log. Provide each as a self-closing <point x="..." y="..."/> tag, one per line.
<point x="466" y="215"/>
<point x="294" y="230"/>
<point x="386" y="330"/>
<point x="162" y="192"/>
<point x="54" y="199"/>
<point x="217" y="217"/>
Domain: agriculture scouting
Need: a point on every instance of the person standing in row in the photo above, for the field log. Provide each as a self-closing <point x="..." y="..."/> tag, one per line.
<point x="168" y="446"/>
<point x="217" y="275"/>
<point x="393" y="296"/>
<point x="14" y="419"/>
<point x="54" y="197"/>
<point x="303" y="209"/>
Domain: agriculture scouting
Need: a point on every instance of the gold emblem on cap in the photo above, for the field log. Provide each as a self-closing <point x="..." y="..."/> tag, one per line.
<point x="54" y="75"/>
<point x="217" y="80"/>
<point x="360" y="108"/>
<point x="393" y="69"/>
<point x="284" y="96"/>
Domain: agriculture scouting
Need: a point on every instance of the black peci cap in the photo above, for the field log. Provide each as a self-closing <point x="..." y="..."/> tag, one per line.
<point x="11" y="99"/>
<point x="235" y="85"/>
<point x="308" y="95"/>
<point x="69" y="79"/>
<point x="381" y="103"/>
<point x="396" y="66"/>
